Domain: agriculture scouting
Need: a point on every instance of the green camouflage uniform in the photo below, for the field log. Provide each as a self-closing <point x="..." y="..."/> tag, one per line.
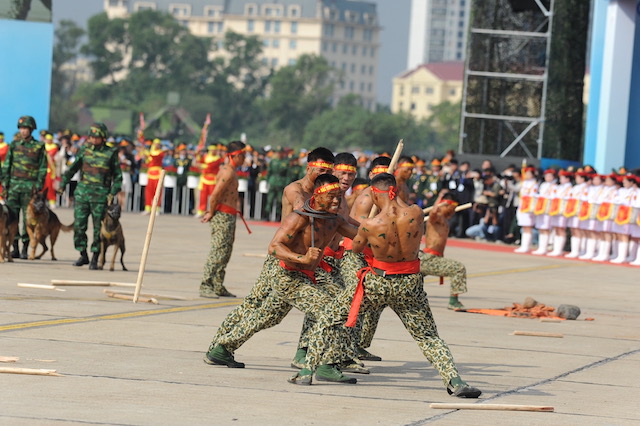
<point x="428" y="183"/>
<point x="288" y="289"/>
<point x="24" y="168"/>
<point x="406" y="296"/>
<point x="100" y="175"/>
<point x="444" y="267"/>
<point x="277" y="178"/>
<point x="223" y="230"/>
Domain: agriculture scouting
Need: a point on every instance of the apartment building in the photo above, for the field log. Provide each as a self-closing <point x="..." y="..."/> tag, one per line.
<point x="345" y="32"/>
<point x="438" y="31"/>
<point x="418" y="90"/>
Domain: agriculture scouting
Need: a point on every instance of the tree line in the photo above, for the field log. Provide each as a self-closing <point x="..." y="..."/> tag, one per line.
<point x="137" y="60"/>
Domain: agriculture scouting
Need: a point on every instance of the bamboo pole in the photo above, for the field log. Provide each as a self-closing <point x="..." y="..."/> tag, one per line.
<point x="390" y="170"/>
<point x="80" y="283"/>
<point x="32" y="371"/>
<point x="254" y="254"/>
<point x="501" y="407"/>
<point x="9" y="358"/>
<point x="147" y="241"/>
<point x="40" y="286"/>
<point x="152" y="295"/>
<point x="537" y="334"/>
<point x="458" y="209"/>
<point x="122" y="296"/>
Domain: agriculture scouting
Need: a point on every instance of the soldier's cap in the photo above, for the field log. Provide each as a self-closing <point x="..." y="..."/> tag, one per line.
<point x="27" y="121"/>
<point x="75" y="137"/>
<point x="181" y="147"/>
<point x="124" y="142"/>
<point x="435" y="163"/>
<point x="99" y="130"/>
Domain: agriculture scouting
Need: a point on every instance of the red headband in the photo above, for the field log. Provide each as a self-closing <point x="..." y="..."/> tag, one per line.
<point x="453" y="203"/>
<point x="359" y="187"/>
<point x="380" y="169"/>
<point x="345" y="168"/>
<point x="391" y="191"/>
<point x="326" y="188"/>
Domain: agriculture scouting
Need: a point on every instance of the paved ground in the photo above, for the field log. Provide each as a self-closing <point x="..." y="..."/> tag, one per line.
<point x="126" y="363"/>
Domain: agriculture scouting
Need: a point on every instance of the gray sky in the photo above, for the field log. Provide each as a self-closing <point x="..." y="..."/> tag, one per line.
<point x="393" y="16"/>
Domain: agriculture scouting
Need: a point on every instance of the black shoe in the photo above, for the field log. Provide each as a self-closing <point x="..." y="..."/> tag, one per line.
<point x="219" y="355"/>
<point x="16" y="251"/>
<point x="24" y="254"/>
<point x="365" y="355"/>
<point x="94" y="261"/>
<point x="83" y="260"/>
<point x="464" y="391"/>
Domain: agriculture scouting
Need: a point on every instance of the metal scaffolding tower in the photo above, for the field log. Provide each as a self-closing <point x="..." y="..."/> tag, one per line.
<point x="505" y="78"/>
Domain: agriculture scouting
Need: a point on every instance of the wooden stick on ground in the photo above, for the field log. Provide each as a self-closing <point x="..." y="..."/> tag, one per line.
<point x="131" y="293"/>
<point x="40" y="286"/>
<point x="502" y="407"/>
<point x="32" y="371"/>
<point x="131" y="296"/>
<point x="536" y="333"/>
<point x="9" y="358"/>
<point x="147" y="241"/>
<point x="80" y="283"/>
<point x="254" y="254"/>
<point x="390" y="170"/>
<point x="550" y="320"/>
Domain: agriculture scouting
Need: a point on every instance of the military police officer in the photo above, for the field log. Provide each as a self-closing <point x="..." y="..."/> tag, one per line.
<point x="24" y="169"/>
<point x="100" y="181"/>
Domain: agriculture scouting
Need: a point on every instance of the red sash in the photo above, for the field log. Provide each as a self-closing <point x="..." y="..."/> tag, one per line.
<point x="526" y="204"/>
<point x="571" y="208"/>
<point x="230" y="210"/>
<point x="390" y="268"/>
<point x="604" y="212"/>
<point x="347" y="243"/>
<point x="585" y="211"/>
<point x="624" y="215"/>
<point x="309" y="273"/>
<point x="328" y="251"/>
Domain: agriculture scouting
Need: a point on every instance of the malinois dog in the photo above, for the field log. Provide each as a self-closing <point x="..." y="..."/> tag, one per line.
<point x="111" y="235"/>
<point x="8" y="231"/>
<point x="42" y="223"/>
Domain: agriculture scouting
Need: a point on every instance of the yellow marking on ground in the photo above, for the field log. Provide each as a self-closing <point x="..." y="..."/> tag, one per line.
<point x="510" y="271"/>
<point x="21" y="326"/>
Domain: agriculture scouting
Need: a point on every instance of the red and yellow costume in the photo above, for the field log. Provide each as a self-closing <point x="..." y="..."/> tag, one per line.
<point x="153" y="161"/>
<point x="209" y="164"/>
<point x="52" y="149"/>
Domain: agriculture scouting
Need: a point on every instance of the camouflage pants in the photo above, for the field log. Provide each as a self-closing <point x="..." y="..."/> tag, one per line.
<point x="83" y="208"/>
<point x="445" y="267"/>
<point x="368" y="320"/>
<point x="223" y="229"/>
<point x="17" y="201"/>
<point x="406" y="296"/>
<point x="289" y="289"/>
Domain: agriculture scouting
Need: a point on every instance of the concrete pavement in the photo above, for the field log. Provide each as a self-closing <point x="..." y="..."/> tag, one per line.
<point x="141" y="364"/>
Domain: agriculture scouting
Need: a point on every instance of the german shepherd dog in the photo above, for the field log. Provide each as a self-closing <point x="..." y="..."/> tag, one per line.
<point x="111" y="235"/>
<point x="42" y="223"/>
<point x="8" y="231"/>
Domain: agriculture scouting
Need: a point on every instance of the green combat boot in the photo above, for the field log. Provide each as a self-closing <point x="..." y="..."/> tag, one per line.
<point x="458" y="387"/>
<point x="454" y="304"/>
<point x="219" y="355"/>
<point x="331" y="373"/>
<point x="299" y="358"/>
<point x="303" y="377"/>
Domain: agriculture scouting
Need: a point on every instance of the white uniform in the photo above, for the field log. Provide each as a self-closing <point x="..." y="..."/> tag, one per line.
<point x="543" y="202"/>
<point x="559" y="197"/>
<point x="624" y="200"/>
<point x="591" y="198"/>
<point x="524" y="214"/>
<point x="577" y="193"/>
<point x="606" y="197"/>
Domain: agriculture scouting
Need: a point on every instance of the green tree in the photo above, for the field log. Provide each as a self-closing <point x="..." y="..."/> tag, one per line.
<point x="299" y="93"/>
<point x="63" y="83"/>
<point x="444" y="123"/>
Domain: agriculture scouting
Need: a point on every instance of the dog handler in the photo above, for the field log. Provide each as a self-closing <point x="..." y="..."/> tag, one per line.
<point x="24" y="168"/>
<point x="100" y="181"/>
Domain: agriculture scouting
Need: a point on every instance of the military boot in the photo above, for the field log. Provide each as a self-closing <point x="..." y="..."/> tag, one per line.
<point x="16" y="251"/>
<point x="24" y="254"/>
<point x="83" y="260"/>
<point x="94" y="261"/>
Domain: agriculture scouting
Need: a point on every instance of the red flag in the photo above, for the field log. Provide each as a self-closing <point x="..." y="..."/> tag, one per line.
<point x="203" y="133"/>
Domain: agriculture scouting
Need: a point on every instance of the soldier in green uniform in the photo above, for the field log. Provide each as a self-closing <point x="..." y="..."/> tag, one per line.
<point x="24" y="168"/>
<point x="429" y="185"/>
<point x="277" y="179"/>
<point x="100" y="181"/>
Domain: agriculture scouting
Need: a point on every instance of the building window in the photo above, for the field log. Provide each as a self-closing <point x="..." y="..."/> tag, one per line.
<point x="362" y="86"/>
<point x="267" y="26"/>
<point x="351" y="85"/>
<point x="344" y="66"/>
<point x="294" y="11"/>
<point x="363" y="69"/>
<point x="275" y="43"/>
<point x="370" y="69"/>
<point x="220" y="27"/>
<point x="354" y="50"/>
<point x="400" y="106"/>
<point x="211" y="27"/>
<point x="144" y="5"/>
<point x="429" y="91"/>
<point x="329" y="30"/>
<point x="348" y="33"/>
<point x="250" y="9"/>
<point x="294" y="28"/>
<point x="415" y="89"/>
<point x="401" y="91"/>
<point x="429" y="107"/>
<point x="113" y="3"/>
<point x="342" y="84"/>
<point x="250" y="25"/>
<point x="364" y="50"/>
<point x="367" y="35"/>
<point x="292" y="61"/>
<point x="353" y="68"/>
<point x="268" y="11"/>
<point x="324" y="46"/>
<point x="292" y="44"/>
<point x="452" y="92"/>
<point x="180" y="9"/>
<point x="345" y="49"/>
<point x="413" y="106"/>
<point x="373" y="52"/>
<point x="369" y="87"/>
<point x="333" y="64"/>
<point x="274" y="62"/>
<point x="334" y="47"/>
<point x="276" y="26"/>
<point x="265" y="61"/>
<point x="265" y="42"/>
